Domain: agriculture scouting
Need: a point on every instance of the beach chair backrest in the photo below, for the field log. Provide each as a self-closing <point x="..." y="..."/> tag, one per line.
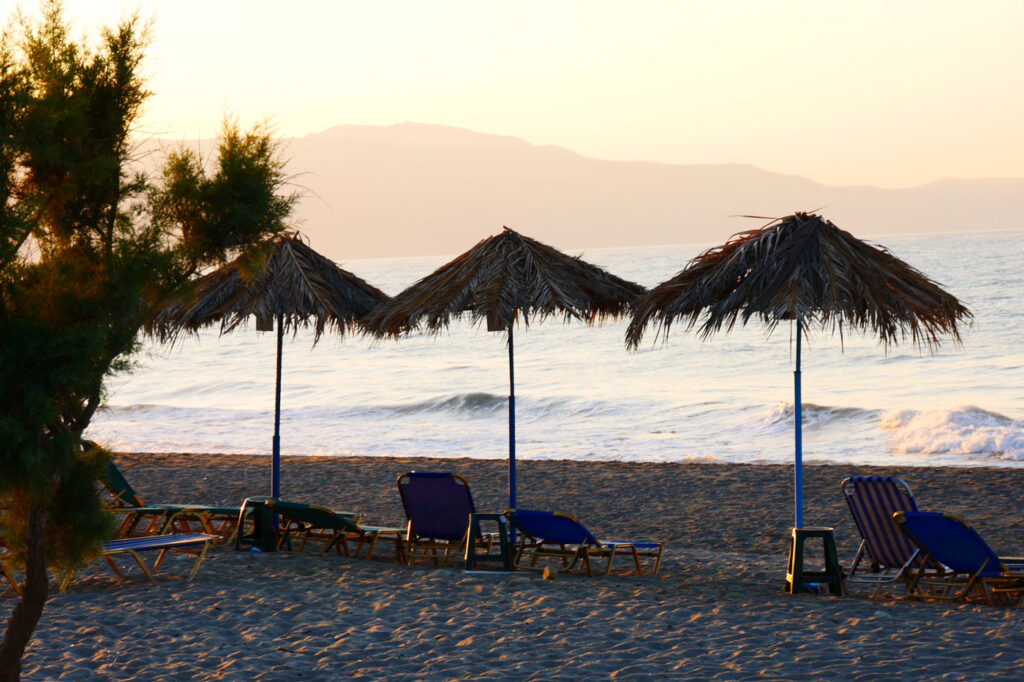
<point x="437" y="504"/>
<point x="873" y="500"/>
<point x="951" y="540"/>
<point x="122" y="491"/>
<point x="551" y="527"/>
<point x="318" y="517"/>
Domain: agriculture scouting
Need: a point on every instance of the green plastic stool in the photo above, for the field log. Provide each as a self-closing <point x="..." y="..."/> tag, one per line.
<point x="473" y="536"/>
<point x="264" y="533"/>
<point x="799" y="580"/>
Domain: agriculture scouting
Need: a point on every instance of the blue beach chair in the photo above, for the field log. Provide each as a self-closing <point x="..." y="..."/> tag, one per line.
<point x="438" y="506"/>
<point x="886" y="554"/>
<point x="968" y="560"/>
<point x="551" y="534"/>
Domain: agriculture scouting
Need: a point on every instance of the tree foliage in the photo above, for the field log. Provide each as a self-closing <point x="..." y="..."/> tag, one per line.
<point x="88" y="244"/>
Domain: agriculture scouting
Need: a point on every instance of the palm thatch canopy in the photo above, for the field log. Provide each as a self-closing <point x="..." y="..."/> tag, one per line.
<point x="499" y="278"/>
<point x="805" y="268"/>
<point x="283" y="278"/>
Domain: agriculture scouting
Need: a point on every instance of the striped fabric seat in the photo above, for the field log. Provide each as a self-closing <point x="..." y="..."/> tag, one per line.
<point x="887" y="552"/>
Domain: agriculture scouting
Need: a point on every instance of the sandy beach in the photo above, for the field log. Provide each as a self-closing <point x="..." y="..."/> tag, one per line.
<point x="716" y="610"/>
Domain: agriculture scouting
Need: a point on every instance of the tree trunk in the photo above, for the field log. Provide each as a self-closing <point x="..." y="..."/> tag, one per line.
<point x="35" y="590"/>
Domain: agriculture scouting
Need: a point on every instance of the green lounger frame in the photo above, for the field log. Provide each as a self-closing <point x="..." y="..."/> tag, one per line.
<point x="302" y="523"/>
<point x="142" y="519"/>
<point x="192" y="543"/>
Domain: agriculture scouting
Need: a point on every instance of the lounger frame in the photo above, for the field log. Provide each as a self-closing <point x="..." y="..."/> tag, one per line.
<point x="303" y="524"/>
<point x="969" y="564"/>
<point x="442" y="536"/>
<point x="582" y="549"/>
<point x="191" y="543"/>
<point x="161" y="519"/>
<point x="885" y="555"/>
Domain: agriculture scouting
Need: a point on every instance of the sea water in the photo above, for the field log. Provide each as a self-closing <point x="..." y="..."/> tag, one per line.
<point x="580" y="395"/>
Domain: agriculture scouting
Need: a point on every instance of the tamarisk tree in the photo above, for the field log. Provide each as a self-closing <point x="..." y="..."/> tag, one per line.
<point x="88" y="244"/>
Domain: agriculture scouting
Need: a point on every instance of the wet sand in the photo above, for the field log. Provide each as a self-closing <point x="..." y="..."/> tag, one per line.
<point x="716" y="610"/>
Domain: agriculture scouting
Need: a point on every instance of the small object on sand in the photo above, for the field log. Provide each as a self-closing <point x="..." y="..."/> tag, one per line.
<point x="548" y="574"/>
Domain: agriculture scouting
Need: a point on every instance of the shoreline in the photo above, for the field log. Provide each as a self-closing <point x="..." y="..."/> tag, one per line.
<point x="716" y="609"/>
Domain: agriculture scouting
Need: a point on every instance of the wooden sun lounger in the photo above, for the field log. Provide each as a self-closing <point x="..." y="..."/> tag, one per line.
<point x="193" y="543"/>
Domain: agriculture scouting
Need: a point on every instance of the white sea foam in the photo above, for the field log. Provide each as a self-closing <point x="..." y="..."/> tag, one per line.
<point x="968" y="431"/>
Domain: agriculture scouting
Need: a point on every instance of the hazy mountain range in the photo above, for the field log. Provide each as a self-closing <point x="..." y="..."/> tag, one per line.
<point x="414" y="189"/>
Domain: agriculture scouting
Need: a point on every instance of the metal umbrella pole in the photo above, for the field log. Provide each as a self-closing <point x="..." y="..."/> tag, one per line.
<point x="275" y="468"/>
<point x="511" y="425"/>
<point x="798" y="474"/>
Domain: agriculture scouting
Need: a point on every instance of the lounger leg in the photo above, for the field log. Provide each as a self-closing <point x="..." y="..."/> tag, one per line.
<point x="142" y="564"/>
<point x="585" y="556"/>
<point x="359" y="546"/>
<point x="856" y="559"/>
<point x="113" y="567"/>
<point x="611" y="558"/>
<point x="636" y="560"/>
<point x="159" y="559"/>
<point x="66" y="580"/>
<point x="335" y="543"/>
<point x="373" y="543"/>
<point x="11" y="580"/>
<point x="199" y="560"/>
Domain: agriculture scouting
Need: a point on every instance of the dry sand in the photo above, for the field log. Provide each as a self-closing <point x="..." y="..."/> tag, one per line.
<point x="716" y="611"/>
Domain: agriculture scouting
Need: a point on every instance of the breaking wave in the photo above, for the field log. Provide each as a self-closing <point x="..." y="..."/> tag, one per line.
<point x="969" y="431"/>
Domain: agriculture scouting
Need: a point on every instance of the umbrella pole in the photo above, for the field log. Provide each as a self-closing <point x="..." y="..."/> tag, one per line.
<point x="275" y="469"/>
<point x="798" y="473"/>
<point x="511" y="425"/>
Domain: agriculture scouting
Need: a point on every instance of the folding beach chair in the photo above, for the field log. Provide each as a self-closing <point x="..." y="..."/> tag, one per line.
<point x="191" y="543"/>
<point x="969" y="562"/>
<point x="886" y="552"/>
<point x="142" y="519"/>
<point x="305" y="522"/>
<point x="551" y="534"/>
<point x="438" y="507"/>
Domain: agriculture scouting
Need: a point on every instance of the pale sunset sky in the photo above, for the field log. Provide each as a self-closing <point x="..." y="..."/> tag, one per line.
<point x="886" y="93"/>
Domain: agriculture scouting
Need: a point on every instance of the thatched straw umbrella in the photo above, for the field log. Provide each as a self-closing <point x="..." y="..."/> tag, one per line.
<point x="802" y="268"/>
<point x="282" y="281"/>
<point x="500" y="279"/>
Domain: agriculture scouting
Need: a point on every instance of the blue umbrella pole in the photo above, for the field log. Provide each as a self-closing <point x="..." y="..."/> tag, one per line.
<point x="275" y="467"/>
<point x="511" y="425"/>
<point x="798" y="474"/>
